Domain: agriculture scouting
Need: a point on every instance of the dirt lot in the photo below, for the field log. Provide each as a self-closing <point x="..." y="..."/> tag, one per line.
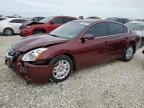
<point x="111" y="85"/>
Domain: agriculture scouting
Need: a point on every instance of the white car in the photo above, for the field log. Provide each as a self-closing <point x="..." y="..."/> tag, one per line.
<point x="138" y="27"/>
<point x="10" y="26"/>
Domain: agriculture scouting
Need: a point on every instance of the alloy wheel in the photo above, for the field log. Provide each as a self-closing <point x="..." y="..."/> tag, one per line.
<point x="61" y="69"/>
<point x="129" y="53"/>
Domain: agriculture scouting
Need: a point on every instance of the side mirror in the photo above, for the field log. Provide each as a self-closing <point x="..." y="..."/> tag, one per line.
<point x="88" y="36"/>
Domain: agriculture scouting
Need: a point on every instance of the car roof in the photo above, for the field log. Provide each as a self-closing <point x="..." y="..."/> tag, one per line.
<point x="116" y="18"/>
<point x="62" y="16"/>
<point x="89" y="20"/>
<point x="95" y="20"/>
<point x="15" y="18"/>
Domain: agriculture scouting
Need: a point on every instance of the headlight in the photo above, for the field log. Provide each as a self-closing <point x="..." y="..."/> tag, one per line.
<point x="33" y="55"/>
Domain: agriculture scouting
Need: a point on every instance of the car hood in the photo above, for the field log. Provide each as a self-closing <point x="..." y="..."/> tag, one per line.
<point x="35" y="41"/>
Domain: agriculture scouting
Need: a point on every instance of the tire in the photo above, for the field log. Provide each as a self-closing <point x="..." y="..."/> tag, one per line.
<point x="8" y="32"/>
<point x="128" y="53"/>
<point x="142" y="42"/>
<point x="58" y="75"/>
<point x="38" y="32"/>
<point x="143" y="51"/>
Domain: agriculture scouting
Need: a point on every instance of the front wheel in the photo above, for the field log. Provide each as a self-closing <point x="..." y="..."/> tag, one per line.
<point x="8" y="32"/>
<point x="128" y="53"/>
<point x="63" y="66"/>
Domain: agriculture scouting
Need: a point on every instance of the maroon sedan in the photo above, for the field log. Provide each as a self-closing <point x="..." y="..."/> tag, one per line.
<point x="70" y="47"/>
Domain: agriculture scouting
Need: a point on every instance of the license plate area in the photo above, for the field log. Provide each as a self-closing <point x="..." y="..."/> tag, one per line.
<point x="9" y="62"/>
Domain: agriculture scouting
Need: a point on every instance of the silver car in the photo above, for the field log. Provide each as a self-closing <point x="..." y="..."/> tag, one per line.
<point x="137" y="26"/>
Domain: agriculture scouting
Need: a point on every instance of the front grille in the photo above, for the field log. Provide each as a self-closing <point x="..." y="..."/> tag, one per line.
<point x="12" y="54"/>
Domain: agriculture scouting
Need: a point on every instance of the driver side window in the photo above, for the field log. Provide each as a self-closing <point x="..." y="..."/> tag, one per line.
<point x="99" y="29"/>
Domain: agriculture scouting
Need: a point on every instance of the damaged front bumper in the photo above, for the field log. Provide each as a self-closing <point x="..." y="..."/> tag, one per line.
<point x="30" y="72"/>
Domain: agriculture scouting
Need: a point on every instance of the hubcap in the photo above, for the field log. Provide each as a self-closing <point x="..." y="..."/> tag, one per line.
<point x="61" y="69"/>
<point x="8" y="32"/>
<point x="129" y="53"/>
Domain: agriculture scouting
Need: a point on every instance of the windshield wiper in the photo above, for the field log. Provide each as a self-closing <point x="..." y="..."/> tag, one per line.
<point x="57" y="36"/>
<point x="54" y="35"/>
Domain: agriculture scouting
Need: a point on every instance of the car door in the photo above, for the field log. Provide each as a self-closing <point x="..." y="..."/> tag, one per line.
<point x="116" y="40"/>
<point x="54" y="23"/>
<point x="94" y="50"/>
<point x="15" y="24"/>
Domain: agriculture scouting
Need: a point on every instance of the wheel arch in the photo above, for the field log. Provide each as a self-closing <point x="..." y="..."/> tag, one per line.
<point x="39" y="29"/>
<point x="72" y="58"/>
<point x="133" y="44"/>
<point x="69" y="55"/>
<point x="8" y="28"/>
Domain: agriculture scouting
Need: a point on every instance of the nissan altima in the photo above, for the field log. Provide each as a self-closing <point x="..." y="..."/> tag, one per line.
<point x="72" y="46"/>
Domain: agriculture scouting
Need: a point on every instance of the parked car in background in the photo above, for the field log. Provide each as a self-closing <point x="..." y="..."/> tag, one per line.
<point x="10" y="26"/>
<point x="142" y="20"/>
<point x="71" y="46"/>
<point x="37" y="19"/>
<point x="2" y="18"/>
<point x="137" y="26"/>
<point x="45" y="25"/>
<point x="121" y="20"/>
<point x="11" y="16"/>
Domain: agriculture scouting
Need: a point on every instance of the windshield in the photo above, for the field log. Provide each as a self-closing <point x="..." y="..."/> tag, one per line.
<point x="135" y="26"/>
<point x="69" y="30"/>
<point x="45" y="20"/>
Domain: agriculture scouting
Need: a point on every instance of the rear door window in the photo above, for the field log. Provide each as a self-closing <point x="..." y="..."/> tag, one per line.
<point x="99" y="29"/>
<point x="116" y="28"/>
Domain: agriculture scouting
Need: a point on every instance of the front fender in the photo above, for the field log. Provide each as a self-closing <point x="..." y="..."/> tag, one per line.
<point x="51" y="54"/>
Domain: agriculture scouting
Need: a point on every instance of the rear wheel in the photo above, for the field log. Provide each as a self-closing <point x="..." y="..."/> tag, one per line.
<point x="38" y="32"/>
<point x="8" y="32"/>
<point x="63" y="66"/>
<point x="128" y="53"/>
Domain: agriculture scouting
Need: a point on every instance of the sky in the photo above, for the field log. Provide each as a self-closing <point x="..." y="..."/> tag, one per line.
<point x="101" y="8"/>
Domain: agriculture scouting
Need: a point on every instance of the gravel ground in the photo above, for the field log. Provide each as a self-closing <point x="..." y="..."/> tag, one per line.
<point x="111" y="85"/>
